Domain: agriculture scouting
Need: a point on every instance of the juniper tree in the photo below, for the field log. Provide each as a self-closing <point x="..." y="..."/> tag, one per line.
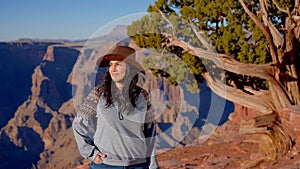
<point x="256" y="43"/>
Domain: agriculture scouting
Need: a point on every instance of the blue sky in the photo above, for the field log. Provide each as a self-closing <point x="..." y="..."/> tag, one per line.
<point x="62" y="19"/>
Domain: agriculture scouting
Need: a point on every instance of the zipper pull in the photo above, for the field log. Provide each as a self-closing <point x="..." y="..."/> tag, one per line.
<point x="121" y="117"/>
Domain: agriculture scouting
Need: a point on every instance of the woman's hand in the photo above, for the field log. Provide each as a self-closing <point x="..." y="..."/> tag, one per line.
<point x="98" y="159"/>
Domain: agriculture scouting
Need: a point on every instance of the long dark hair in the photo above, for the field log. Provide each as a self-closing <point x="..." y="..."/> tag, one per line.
<point x="107" y="87"/>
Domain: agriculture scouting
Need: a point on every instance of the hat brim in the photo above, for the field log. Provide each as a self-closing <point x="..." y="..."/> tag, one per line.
<point x="104" y="61"/>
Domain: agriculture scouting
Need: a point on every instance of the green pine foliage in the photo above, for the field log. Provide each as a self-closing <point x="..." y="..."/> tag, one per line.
<point x="226" y="25"/>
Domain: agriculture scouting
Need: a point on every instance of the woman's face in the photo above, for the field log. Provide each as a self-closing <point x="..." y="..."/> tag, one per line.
<point x="117" y="71"/>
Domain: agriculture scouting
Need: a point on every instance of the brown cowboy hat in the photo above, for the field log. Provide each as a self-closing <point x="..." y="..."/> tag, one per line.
<point x="120" y="53"/>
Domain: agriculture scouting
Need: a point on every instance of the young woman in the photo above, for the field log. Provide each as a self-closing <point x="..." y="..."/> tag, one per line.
<point x="115" y="125"/>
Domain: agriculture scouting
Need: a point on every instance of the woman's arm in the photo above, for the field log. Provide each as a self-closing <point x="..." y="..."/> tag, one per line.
<point x="84" y="125"/>
<point x="84" y="129"/>
<point x="150" y="132"/>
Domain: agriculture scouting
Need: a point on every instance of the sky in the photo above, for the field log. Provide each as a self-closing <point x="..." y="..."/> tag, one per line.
<point x="62" y="19"/>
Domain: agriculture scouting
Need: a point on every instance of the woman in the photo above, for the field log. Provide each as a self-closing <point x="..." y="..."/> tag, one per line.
<point x="115" y="126"/>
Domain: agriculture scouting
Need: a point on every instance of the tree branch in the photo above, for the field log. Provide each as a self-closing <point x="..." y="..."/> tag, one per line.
<point x="279" y="8"/>
<point x="200" y="37"/>
<point x="278" y="94"/>
<point x="296" y="10"/>
<point x="263" y="29"/>
<point x="263" y="71"/>
<point x="255" y="92"/>
<point x="277" y="38"/>
<point x="261" y="104"/>
<point x="167" y="20"/>
<point x="264" y="12"/>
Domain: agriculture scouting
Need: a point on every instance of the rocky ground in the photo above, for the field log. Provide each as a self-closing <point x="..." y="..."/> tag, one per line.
<point x="226" y="149"/>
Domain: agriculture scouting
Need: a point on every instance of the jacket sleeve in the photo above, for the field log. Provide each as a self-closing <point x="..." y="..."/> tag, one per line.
<point x="84" y="130"/>
<point x="84" y="125"/>
<point x="150" y="135"/>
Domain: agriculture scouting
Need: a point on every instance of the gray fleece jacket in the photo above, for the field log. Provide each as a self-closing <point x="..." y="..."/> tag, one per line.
<point x="126" y="141"/>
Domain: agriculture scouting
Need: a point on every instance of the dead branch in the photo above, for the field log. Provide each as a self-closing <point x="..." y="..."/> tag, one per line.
<point x="167" y="20"/>
<point x="279" y="95"/>
<point x="264" y="29"/>
<point x="263" y="71"/>
<point x="277" y="38"/>
<point x="261" y="104"/>
<point x="200" y="37"/>
<point x="296" y="10"/>
<point x="255" y="92"/>
<point x="264" y="12"/>
<point x="279" y="8"/>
